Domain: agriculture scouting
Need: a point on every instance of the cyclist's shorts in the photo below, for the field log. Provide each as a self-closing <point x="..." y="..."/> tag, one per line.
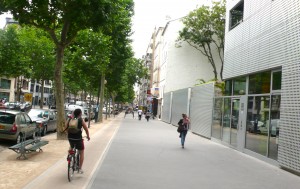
<point x="79" y="144"/>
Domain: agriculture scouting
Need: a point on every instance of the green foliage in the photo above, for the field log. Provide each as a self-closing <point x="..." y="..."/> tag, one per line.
<point x="218" y="84"/>
<point x="86" y="59"/>
<point x="204" y="29"/>
<point x="13" y="63"/>
<point x="38" y="50"/>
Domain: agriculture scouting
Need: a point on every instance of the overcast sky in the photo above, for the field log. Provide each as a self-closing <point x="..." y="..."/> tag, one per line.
<point x="148" y="14"/>
<point x="152" y="13"/>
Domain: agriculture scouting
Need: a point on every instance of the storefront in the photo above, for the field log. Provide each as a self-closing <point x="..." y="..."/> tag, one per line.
<point x="247" y="116"/>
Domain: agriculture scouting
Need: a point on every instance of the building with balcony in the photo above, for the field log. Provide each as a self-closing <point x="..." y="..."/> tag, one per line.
<point x="259" y="114"/>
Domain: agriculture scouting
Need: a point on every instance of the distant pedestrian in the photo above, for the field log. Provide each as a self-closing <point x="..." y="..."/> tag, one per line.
<point x="148" y="114"/>
<point x="140" y="112"/>
<point x="183" y="133"/>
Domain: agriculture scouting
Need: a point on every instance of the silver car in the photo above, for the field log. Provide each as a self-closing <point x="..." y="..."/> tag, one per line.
<point x="45" y="119"/>
<point x="15" y="124"/>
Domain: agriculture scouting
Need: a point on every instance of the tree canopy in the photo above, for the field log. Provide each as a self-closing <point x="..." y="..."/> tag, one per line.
<point x="63" y="19"/>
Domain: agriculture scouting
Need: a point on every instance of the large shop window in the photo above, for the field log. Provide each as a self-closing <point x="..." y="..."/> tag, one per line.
<point x="260" y="83"/>
<point x="217" y="119"/>
<point x="239" y="86"/>
<point x="276" y="80"/>
<point x="273" y="125"/>
<point x="226" y="120"/>
<point x="257" y="131"/>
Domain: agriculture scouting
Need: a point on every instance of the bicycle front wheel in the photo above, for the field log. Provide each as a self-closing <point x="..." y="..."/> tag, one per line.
<point x="71" y="166"/>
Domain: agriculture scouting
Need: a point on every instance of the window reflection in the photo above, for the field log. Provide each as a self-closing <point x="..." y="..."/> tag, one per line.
<point x="234" y="121"/>
<point x="228" y="88"/>
<point x="274" y="126"/>
<point x="257" y="131"/>
<point x="239" y="86"/>
<point x="226" y="120"/>
<point x="276" y="82"/>
<point x="260" y="83"/>
<point x="217" y="119"/>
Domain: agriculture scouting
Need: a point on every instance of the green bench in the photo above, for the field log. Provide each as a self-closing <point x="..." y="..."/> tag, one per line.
<point x="27" y="146"/>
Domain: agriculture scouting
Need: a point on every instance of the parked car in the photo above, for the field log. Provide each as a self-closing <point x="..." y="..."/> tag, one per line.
<point x="259" y="129"/>
<point x="25" y="107"/>
<point x="92" y="113"/>
<point x="45" y="119"/>
<point x="15" y="124"/>
<point x="69" y="114"/>
<point x="13" y="105"/>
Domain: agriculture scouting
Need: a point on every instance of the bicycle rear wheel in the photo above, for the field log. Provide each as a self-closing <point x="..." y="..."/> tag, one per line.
<point x="71" y="166"/>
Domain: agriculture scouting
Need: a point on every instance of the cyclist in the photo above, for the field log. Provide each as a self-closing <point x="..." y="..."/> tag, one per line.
<point x="75" y="138"/>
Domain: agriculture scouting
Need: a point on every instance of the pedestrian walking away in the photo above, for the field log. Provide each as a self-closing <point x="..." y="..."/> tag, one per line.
<point x="140" y="112"/>
<point x="74" y="128"/>
<point x="132" y="113"/>
<point x="148" y="114"/>
<point x="185" y="121"/>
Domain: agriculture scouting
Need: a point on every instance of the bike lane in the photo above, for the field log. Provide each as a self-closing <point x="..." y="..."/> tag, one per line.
<point x="56" y="176"/>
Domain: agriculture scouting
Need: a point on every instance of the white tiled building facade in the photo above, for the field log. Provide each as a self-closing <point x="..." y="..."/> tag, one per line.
<point x="267" y="38"/>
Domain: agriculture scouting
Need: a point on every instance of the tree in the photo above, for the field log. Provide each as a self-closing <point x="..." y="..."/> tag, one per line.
<point x="63" y="19"/>
<point x="13" y="62"/>
<point x="204" y="29"/>
<point x="38" y="50"/>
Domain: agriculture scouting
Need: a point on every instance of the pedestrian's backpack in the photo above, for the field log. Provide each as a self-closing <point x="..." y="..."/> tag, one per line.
<point x="73" y="125"/>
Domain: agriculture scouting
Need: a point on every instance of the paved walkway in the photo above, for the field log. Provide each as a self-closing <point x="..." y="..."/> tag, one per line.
<point x="133" y="154"/>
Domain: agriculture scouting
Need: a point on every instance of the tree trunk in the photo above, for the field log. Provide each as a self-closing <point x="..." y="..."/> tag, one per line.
<point x="100" y="115"/>
<point x="42" y="94"/>
<point x="59" y="92"/>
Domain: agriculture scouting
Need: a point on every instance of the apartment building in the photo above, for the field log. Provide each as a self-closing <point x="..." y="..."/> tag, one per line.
<point x="259" y="114"/>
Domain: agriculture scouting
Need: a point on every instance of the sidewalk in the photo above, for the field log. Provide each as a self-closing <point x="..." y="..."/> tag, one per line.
<point x="15" y="174"/>
<point x="148" y="155"/>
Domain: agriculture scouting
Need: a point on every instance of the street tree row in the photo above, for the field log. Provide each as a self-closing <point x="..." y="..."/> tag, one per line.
<point x="86" y="43"/>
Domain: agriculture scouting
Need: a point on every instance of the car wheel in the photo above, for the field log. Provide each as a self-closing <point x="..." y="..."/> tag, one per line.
<point x="19" y="138"/>
<point x="44" y="130"/>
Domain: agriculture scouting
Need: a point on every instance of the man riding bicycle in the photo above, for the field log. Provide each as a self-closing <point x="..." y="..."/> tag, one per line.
<point x="74" y="128"/>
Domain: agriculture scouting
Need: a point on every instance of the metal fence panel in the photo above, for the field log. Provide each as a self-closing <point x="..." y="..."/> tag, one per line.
<point x="201" y="109"/>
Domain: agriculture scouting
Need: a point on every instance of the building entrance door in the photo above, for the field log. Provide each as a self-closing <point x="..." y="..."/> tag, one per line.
<point x="241" y="127"/>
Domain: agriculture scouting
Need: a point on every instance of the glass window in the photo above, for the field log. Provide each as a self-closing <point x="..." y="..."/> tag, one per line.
<point x="27" y="118"/>
<point x="228" y="88"/>
<point x="7" y="118"/>
<point x="5" y="84"/>
<point x="260" y="83"/>
<point x="276" y="83"/>
<point x="239" y="86"/>
<point x="22" y="119"/>
<point x="236" y="15"/>
<point x="217" y="119"/>
<point x="273" y="126"/>
<point x="226" y="120"/>
<point x="234" y="121"/>
<point x="257" y="130"/>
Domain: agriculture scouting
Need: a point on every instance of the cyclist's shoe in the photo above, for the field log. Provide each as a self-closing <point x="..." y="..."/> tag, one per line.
<point x="80" y="171"/>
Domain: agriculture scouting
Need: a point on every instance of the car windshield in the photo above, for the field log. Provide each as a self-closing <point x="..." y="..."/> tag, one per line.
<point x="7" y="118"/>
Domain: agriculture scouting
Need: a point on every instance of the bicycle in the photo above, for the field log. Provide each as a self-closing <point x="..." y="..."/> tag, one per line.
<point x="73" y="162"/>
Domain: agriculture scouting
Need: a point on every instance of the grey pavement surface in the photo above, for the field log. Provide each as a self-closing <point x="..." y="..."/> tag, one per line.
<point x="135" y="154"/>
